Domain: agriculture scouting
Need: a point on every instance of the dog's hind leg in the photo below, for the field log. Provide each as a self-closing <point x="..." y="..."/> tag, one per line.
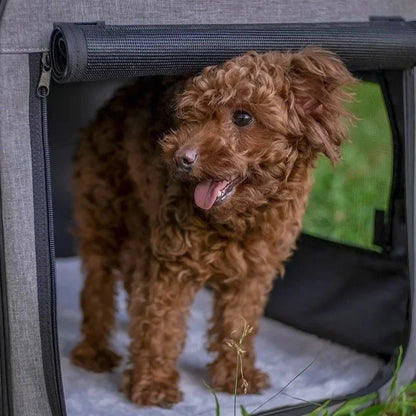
<point x="99" y="232"/>
<point x="98" y="308"/>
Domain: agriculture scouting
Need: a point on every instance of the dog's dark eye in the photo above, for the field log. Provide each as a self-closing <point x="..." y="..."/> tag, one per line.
<point x="242" y="119"/>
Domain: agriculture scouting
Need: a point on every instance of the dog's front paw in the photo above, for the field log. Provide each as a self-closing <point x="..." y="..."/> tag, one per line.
<point x="147" y="392"/>
<point x="93" y="359"/>
<point x="223" y="379"/>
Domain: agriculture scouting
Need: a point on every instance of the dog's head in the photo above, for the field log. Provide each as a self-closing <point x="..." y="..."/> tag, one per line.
<point x="243" y="126"/>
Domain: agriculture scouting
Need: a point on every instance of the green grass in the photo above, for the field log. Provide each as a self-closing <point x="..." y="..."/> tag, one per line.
<point x="400" y="401"/>
<point x="344" y="197"/>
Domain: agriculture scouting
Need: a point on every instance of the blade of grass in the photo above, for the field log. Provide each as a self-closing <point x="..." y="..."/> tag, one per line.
<point x="217" y="404"/>
<point x="322" y="410"/>
<point x="396" y="374"/>
<point x="244" y="411"/>
<point x="287" y="384"/>
<point x="236" y="387"/>
<point x="410" y="389"/>
<point x="353" y="405"/>
<point x="376" y="410"/>
<point x="302" y="400"/>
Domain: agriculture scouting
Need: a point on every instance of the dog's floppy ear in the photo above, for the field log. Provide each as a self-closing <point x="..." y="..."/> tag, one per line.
<point x="316" y="99"/>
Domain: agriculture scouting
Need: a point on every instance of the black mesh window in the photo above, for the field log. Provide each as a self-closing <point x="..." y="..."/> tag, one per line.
<point x="345" y="198"/>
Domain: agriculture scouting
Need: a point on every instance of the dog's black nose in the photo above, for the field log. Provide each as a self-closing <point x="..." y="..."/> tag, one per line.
<point x="185" y="159"/>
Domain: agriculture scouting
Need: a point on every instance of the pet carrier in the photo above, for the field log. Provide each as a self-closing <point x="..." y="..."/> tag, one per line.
<point x="336" y="321"/>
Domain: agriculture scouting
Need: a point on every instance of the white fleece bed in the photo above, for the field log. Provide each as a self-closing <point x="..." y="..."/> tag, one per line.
<point x="281" y="350"/>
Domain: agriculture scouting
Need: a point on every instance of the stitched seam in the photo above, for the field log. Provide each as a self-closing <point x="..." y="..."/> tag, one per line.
<point x="22" y="50"/>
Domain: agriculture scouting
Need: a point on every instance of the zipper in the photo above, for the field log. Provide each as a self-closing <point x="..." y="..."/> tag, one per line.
<point x="42" y="91"/>
<point x="45" y="78"/>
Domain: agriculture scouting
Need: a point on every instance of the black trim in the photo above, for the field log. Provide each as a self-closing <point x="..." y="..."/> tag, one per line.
<point x="379" y="227"/>
<point x="45" y="256"/>
<point x="409" y="78"/>
<point x="391" y="83"/>
<point x="6" y="402"/>
<point x="90" y="52"/>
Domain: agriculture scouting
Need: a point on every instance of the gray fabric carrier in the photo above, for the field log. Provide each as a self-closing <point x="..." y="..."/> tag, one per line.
<point x="30" y="374"/>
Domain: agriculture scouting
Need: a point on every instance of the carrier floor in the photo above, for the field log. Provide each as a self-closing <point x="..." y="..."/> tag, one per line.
<point x="282" y="351"/>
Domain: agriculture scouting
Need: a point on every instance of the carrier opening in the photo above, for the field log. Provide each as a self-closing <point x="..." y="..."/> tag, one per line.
<point x="341" y="312"/>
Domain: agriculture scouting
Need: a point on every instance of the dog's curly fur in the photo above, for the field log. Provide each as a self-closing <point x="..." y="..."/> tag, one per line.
<point x="138" y="218"/>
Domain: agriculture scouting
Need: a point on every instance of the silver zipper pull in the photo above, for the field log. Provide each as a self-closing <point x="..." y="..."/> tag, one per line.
<point x="45" y="75"/>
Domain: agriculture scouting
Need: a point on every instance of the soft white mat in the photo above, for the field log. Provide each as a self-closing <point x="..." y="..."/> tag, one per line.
<point x="282" y="351"/>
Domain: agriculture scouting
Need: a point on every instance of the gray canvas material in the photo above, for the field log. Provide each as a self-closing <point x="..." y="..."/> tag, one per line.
<point x="29" y="393"/>
<point x="26" y="25"/>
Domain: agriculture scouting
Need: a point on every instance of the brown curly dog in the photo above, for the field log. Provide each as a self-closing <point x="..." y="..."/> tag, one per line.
<point x="181" y="183"/>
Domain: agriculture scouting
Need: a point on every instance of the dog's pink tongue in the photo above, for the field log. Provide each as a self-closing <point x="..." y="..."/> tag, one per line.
<point x="206" y="193"/>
